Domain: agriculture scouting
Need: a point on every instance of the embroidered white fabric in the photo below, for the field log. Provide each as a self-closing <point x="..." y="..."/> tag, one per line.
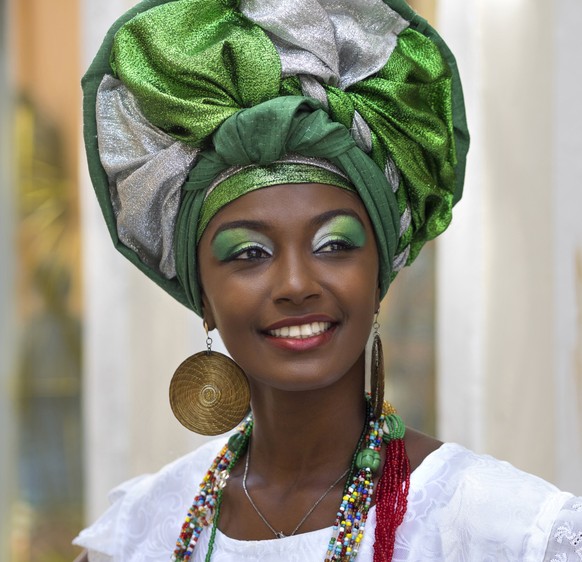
<point x="462" y="507"/>
<point x="566" y="538"/>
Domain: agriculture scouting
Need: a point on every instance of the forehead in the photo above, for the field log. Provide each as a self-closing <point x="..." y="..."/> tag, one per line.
<point x="288" y="204"/>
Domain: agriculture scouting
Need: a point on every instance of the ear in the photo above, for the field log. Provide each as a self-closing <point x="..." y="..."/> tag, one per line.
<point x="207" y="314"/>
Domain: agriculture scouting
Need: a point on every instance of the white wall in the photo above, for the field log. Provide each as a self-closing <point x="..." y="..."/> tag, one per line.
<point x="509" y="328"/>
<point x="135" y="336"/>
<point x="567" y="242"/>
<point x="460" y="264"/>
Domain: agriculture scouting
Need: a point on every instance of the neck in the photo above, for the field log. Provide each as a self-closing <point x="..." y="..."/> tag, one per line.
<point x="303" y="432"/>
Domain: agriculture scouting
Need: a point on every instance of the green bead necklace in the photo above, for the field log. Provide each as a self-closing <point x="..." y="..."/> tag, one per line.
<point x="348" y="529"/>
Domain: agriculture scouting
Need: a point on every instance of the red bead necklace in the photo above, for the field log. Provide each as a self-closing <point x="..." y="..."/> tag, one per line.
<point x="391" y="497"/>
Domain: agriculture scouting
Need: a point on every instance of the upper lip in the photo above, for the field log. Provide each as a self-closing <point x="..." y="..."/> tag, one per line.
<point x="298" y="321"/>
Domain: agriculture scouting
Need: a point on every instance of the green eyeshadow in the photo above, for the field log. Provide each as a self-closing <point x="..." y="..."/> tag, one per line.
<point x="342" y="228"/>
<point x="232" y="241"/>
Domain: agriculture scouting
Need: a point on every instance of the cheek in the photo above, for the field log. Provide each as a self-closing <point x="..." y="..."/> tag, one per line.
<point x="356" y="287"/>
<point x="366" y="277"/>
<point x="212" y="286"/>
<point x="363" y="303"/>
<point x="236" y="309"/>
<point x="232" y="301"/>
<point x="364" y="293"/>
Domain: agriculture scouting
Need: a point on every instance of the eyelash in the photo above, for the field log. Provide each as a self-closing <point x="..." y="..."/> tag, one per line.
<point x="338" y="244"/>
<point x="238" y="254"/>
<point x="341" y="245"/>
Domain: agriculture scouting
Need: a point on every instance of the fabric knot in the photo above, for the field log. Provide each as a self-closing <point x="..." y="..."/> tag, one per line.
<point x="365" y="84"/>
<point x="305" y="129"/>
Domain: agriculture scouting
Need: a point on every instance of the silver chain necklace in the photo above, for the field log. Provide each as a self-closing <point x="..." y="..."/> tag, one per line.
<point x="280" y="534"/>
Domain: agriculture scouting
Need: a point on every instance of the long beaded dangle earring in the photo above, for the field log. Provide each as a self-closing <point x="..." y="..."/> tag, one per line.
<point x="377" y="371"/>
<point x="209" y="392"/>
<point x="394" y="483"/>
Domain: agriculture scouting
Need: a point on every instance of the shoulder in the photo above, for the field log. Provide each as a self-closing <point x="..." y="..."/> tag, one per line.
<point x="468" y="505"/>
<point x="419" y="446"/>
<point x="456" y="476"/>
<point x="147" y="512"/>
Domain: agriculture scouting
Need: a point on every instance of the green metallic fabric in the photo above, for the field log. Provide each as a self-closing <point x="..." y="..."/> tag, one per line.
<point x="189" y="91"/>
<point x="303" y="128"/>
<point x="256" y="177"/>
<point x="408" y="107"/>
<point x="100" y="66"/>
<point x="193" y="63"/>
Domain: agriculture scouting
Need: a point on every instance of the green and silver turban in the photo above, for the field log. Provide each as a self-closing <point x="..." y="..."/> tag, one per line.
<point x="190" y="104"/>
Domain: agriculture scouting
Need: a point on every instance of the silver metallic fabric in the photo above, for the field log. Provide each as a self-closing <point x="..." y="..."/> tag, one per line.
<point x="392" y="173"/>
<point x="338" y="42"/>
<point x="146" y="170"/>
<point x="313" y="89"/>
<point x="405" y="220"/>
<point x="401" y="259"/>
<point x="322" y="41"/>
<point x="361" y="133"/>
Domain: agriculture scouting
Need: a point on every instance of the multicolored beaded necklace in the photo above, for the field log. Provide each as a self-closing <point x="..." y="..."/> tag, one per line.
<point x="348" y="529"/>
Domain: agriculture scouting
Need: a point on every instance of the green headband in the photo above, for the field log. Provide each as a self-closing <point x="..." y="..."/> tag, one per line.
<point x="239" y="180"/>
<point x="304" y="128"/>
<point x="173" y="76"/>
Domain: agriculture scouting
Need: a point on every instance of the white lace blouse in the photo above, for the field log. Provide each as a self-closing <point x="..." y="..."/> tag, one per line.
<point x="462" y="507"/>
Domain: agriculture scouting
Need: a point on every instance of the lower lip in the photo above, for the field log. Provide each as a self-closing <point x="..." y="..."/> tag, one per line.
<point x="303" y="344"/>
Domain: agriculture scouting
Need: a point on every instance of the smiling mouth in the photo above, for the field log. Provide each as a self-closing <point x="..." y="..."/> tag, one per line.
<point x="301" y="332"/>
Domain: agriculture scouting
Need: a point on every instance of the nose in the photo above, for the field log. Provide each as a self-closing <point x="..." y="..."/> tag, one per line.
<point x="295" y="278"/>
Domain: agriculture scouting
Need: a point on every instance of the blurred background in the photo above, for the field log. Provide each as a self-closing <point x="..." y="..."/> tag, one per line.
<point x="483" y="335"/>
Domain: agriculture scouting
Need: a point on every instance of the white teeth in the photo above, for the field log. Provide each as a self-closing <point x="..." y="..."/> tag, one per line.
<point x="301" y="332"/>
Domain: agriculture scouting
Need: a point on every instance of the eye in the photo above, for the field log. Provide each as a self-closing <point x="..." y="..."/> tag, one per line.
<point x="251" y="252"/>
<point x="241" y="244"/>
<point x="333" y="244"/>
<point x="339" y="235"/>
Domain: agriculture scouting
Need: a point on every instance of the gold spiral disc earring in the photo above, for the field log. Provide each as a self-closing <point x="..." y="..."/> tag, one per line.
<point x="209" y="392"/>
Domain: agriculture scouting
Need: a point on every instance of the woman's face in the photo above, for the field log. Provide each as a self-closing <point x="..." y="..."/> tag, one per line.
<point x="290" y="279"/>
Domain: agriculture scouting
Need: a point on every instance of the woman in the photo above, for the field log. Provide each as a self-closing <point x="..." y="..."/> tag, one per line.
<point x="273" y="166"/>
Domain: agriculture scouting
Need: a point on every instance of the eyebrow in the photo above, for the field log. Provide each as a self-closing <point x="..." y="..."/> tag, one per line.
<point x="247" y="224"/>
<point x="328" y="215"/>
<point x="317" y="221"/>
